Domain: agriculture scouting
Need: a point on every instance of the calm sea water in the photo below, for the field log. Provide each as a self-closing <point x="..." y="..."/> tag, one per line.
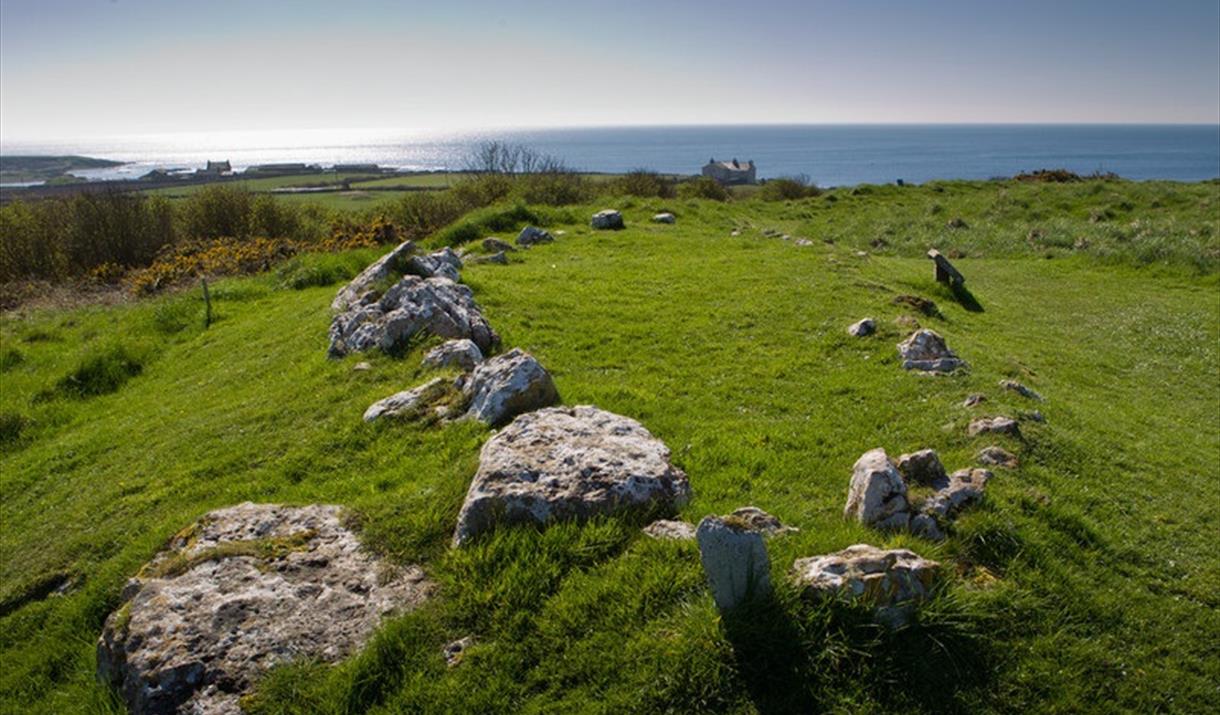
<point x="831" y="155"/>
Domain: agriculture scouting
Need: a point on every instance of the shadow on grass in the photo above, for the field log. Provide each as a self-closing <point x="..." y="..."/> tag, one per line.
<point x="965" y="298"/>
<point x="798" y="657"/>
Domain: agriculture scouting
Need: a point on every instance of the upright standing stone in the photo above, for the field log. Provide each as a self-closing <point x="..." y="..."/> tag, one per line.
<point x="877" y="495"/>
<point x="944" y="271"/>
<point x="735" y="560"/>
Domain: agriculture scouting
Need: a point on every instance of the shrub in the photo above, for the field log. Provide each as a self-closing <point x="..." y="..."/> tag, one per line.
<point x="788" y="188"/>
<point x="703" y="187"/>
<point x="101" y="372"/>
<point x="423" y="212"/>
<point x="482" y="189"/>
<point x="217" y="210"/>
<point x="644" y="183"/>
<point x="557" y="186"/>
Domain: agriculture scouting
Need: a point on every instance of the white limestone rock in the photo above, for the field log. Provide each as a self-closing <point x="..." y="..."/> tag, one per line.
<point x="461" y="353"/>
<point x="922" y="467"/>
<point x="247" y="588"/>
<point x="862" y="328"/>
<point x="994" y="425"/>
<point x="569" y="463"/>
<point x="532" y="236"/>
<point x="378" y="272"/>
<point x="877" y="495"/>
<point x="607" y="219"/>
<point x="670" y="529"/>
<point x="926" y="350"/>
<point x="408" y="403"/>
<point x="734" y="557"/>
<point x="507" y="385"/>
<point x="892" y="581"/>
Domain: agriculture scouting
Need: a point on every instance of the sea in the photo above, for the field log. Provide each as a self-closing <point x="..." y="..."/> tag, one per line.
<point x="829" y="155"/>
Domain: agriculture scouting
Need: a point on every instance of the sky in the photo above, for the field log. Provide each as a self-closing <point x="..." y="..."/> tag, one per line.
<point x="86" y="68"/>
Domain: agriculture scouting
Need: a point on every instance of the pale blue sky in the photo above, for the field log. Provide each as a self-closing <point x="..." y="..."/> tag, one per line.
<point x="73" y="68"/>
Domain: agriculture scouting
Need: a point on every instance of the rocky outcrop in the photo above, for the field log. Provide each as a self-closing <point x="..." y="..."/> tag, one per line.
<point x="862" y="328"/>
<point x="413" y="306"/>
<point x="735" y="560"/>
<point x="892" y="581"/>
<point x="409" y="404"/>
<point x="607" y="219"/>
<point x="926" y="350"/>
<point x="532" y="236"/>
<point x="997" y="457"/>
<point x="663" y="217"/>
<point x="877" y="495"/>
<point x="670" y="529"/>
<point x="377" y="273"/>
<point x="994" y="425"/>
<point x="922" y="467"/>
<point x="507" y="385"/>
<point x="246" y="588"/>
<point x="463" y="354"/>
<point x="569" y="463"/>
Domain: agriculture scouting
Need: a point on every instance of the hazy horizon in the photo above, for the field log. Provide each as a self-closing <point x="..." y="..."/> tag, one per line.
<point x="78" y="69"/>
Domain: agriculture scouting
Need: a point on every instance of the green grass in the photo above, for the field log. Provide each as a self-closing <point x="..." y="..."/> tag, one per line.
<point x="1088" y="581"/>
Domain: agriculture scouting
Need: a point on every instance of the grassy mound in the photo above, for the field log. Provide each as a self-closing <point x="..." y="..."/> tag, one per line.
<point x="1087" y="581"/>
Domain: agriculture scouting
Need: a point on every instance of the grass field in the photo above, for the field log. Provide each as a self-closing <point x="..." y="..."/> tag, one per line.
<point x="1088" y="581"/>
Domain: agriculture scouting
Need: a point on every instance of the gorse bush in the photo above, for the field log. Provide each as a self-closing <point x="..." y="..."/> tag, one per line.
<point x="644" y="183"/>
<point x="788" y="188"/>
<point x="703" y="187"/>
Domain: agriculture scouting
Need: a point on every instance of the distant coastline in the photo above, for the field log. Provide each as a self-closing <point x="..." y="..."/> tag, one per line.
<point x="830" y="155"/>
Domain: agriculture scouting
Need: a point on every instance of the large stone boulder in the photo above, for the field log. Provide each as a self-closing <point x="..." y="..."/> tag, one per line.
<point x="408" y="404"/>
<point x="532" y="235"/>
<point x="563" y="463"/>
<point x="378" y="272"/>
<point x="735" y="560"/>
<point x="607" y="219"/>
<point x="926" y="350"/>
<point x="414" y="305"/>
<point x="891" y="581"/>
<point x="463" y="354"/>
<point x="877" y="495"/>
<point x="507" y="385"/>
<point x="247" y="588"/>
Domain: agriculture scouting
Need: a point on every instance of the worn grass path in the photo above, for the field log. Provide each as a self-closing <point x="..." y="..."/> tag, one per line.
<point x="1088" y="581"/>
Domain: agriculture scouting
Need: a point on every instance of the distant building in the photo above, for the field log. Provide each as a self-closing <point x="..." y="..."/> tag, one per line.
<point x="284" y="169"/>
<point x="730" y="172"/>
<point x="356" y="168"/>
<point x="216" y="168"/>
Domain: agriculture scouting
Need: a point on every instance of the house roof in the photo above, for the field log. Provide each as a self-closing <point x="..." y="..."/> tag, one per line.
<point x="741" y="165"/>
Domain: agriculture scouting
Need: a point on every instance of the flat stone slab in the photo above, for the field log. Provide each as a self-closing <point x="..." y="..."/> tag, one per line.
<point x="569" y="463"/>
<point x="412" y="306"/>
<point x="893" y="581"/>
<point x="408" y="404"/>
<point x="246" y="588"/>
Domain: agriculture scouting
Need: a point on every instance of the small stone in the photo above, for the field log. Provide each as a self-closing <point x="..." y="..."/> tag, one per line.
<point x="664" y="217"/>
<point x="491" y="244"/>
<point x="974" y="399"/>
<point x="461" y="353"/>
<point x="670" y="529"/>
<point x="862" y="328"/>
<point x="957" y="223"/>
<point x="361" y="367"/>
<point x="994" y="425"/>
<point x="964" y="487"/>
<point x="607" y="219"/>
<point x="1033" y="416"/>
<point x="408" y="403"/>
<point x="922" y="467"/>
<point x="751" y="517"/>
<point x="735" y="232"/>
<point x="500" y="259"/>
<point x="735" y="561"/>
<point x="532" y="235"/>
<point x="892" y="581"/>
<point x="453" y="651"/>
<point x="926" y="350"/>
<point x="1020" y="389"/>
<point x="877" y="495"/>
<point x="924" y="525"/>
<point x="802" y="242"/>
<point x="998" y="457"/>
<point x="507" y="385"/>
